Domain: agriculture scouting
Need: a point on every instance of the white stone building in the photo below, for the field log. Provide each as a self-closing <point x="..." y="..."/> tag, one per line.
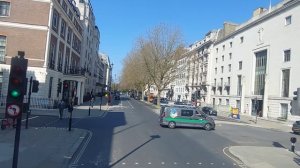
<point x="257" y="62"/>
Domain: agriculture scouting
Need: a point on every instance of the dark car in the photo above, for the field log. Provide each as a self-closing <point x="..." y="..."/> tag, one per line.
<point x="209" y="111"/>
<point x="296" y="127"/>
<point x="117" y="96"/>
<point x="163" y="101"/>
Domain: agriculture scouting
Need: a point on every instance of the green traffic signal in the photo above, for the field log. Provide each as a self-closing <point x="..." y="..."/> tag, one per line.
<point x="15" y="93"/>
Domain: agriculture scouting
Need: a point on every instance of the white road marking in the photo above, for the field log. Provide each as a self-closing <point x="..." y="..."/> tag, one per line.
<point x="83" y="148"/>
<point x="136" y="163"/>
<point x="149" y="163"/>
<point x="175" y="163"/>
<point x="123" y="163"/>
<point x="199" y="163"/>
<point x="30" y="118"/>
<point x="187" y="163"/>
<point x="162" y="163"/>
<point x="130" y="104"/>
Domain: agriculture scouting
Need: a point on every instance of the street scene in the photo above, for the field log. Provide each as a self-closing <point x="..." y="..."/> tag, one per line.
<point x="127" y="134"/>
<point x="125" y="84"/>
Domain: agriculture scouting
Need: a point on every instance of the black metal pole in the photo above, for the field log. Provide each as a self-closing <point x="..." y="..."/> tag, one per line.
<point x="70" y="121"/>
<point x="100" y="102"/>
<point x="89" y="110"/>
<point x="29" y="97"/>
<point x="17" y="142"/>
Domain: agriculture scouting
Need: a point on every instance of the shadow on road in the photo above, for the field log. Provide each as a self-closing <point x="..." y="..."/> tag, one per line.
<point x="152" y="137"/>
<point x="278" y="145"/>
<point x="98" y="151"/>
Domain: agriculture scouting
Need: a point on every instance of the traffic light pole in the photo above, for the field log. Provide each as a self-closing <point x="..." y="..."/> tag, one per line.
<point x="17" y="142"/>
<point x="29" y="96"/>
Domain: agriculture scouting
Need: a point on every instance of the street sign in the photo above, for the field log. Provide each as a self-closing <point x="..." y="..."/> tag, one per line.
<point x="13" y="110"/>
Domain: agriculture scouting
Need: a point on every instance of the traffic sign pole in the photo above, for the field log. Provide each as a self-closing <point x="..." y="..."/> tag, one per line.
<point x="17" y="142"/>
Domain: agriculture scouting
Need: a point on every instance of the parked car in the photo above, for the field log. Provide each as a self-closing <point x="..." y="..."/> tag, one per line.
<point x="186" y="116"/>
<point x="117" y="97"/>
<point x="209" y="111"/>
<point x="296" y="127"/>
<point x="163" y="101"/>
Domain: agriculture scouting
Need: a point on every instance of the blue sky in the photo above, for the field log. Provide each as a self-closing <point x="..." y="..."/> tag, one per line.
<point x="121" y="22"/>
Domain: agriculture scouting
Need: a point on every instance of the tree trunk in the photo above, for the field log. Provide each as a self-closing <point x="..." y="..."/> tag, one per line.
<point x="158" y="98"/>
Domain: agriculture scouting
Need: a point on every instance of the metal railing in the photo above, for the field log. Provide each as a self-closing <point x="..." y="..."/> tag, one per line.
<point x="35" y="102"/>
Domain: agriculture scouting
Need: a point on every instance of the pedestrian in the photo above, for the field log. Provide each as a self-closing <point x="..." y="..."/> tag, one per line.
<point x="92" y="101"/>
<point x="61" y="107"/>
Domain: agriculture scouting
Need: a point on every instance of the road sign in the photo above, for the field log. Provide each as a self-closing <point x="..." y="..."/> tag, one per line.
<point x="13" y="110"/>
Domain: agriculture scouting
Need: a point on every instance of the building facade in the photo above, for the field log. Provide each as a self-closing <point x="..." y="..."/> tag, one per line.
<point x="255" y="64"/>
<point x="51" y="35"/>
<point x="193" y="80"/>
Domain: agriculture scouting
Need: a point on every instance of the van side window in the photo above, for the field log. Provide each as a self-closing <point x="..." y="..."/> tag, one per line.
<point x="187" y="113"/>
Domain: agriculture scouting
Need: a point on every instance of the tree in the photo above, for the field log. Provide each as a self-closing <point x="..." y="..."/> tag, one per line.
<point x="161" y="50"/>
<point x="134" y="75"/>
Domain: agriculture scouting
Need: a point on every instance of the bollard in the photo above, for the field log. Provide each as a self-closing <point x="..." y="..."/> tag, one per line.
<point x="89" y="111"/>
<point x="293" y="141"/>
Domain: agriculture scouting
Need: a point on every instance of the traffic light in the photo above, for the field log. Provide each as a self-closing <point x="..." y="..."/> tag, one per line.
<point x="16" y="86"/>
<point x="295" y="103"/>
<point x="59" y="87"/>
<point x="35" y="86"/>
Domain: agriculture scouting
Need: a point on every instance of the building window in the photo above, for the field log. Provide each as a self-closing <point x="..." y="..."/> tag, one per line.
<point x="287" y="55"/>
<point x="63" y="29"/>
<point x="239" y="85"/>
<point x="242" y="39"/>
<point x="216" y="60"/>
<point x="288" y="20"/>
<point x="240" y="65"/>
<point x="230" y="44"/>
<point x="227" y="102"/>
<point x="4" y="8"/>
<point x="223" y="47"/>
<point x="60" y="57"/>
<point x="50" y="87"/>
<point x="285" y="82"/>
<point x="2" y="48"/>
<point x="230" y="56"/>
<point x="70" y="14"/>
<point x="220" y="101"/>
<point x="217" y="50"/>
<point x="260" y="72"/>
<point x="65" y="6"/>
<point x="69" y="35"/>
<point x="223" y="58"/>
<point x="222" y="69"/>
<point x="55" y="20"/>
<point x="216" y="70"/>
<point x="52" y="54"/>
<point x="229" y="67"/>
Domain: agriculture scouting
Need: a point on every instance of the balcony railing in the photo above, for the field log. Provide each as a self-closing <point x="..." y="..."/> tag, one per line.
<point x="75" y="71"/>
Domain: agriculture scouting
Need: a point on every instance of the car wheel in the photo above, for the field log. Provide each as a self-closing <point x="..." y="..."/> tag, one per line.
<point x="172" y="125"/>
<point x="207" y="127"/>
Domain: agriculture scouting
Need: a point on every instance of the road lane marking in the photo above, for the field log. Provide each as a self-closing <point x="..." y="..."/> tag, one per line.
<point x="83" y="148"/>
<point x="30" y="118"/>
<point x="130" y="105"/>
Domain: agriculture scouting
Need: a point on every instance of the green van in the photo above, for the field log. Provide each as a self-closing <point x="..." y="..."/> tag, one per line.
<point x="185" y="116"/>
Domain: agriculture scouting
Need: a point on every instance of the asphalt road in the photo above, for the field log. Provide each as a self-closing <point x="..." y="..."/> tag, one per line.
<point x="128" y="136"/>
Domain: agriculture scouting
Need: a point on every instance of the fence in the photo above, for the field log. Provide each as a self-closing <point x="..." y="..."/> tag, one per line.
<point x="35" y="102"/>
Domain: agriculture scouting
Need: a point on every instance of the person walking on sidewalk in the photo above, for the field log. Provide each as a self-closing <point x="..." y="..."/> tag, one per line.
<point x="61" y="107"/>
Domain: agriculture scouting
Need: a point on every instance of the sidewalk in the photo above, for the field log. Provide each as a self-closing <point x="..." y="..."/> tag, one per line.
<point x="48" y="147"/>
<point x="261" y="122"/>
<point x="41" y="147"/>
<point x="264" y="157"/>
